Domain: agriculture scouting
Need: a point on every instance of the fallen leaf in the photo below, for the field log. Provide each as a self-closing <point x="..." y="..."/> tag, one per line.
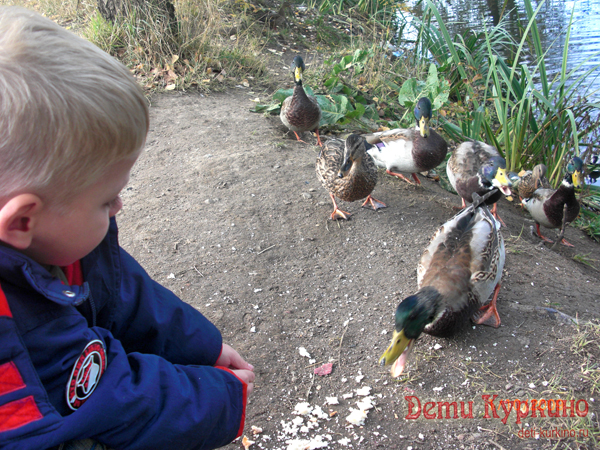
<point x="325" y="369"/>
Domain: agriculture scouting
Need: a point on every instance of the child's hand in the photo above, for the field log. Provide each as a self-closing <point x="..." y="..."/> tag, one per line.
<point x="232" y="360"/>
<point x="247" y="376"/>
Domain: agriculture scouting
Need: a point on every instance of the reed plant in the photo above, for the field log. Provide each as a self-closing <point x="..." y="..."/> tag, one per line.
<point x="530" y="118"/>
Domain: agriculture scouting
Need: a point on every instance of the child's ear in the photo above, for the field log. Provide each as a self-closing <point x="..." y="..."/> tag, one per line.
<point x="18" y="218"/>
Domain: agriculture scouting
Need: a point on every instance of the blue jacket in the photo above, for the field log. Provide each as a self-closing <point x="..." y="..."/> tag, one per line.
<point x="154" y="389"/>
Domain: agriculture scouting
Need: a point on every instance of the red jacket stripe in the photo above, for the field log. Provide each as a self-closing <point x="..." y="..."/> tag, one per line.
<point x="245" y="397"/>
<point x="10" y="378"/>
<point x="18" y="413"/>
<point x="74" y="274"/>
<point x="4" y="309"/>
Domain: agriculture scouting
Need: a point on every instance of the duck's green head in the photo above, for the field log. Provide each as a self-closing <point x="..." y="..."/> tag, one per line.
<point x="354" y="150"/>
<point x="423" y="112"/>
<point x="493" y="174"/>
<point x="575" y="168"/>
<point x="298" y="68"/>
<point x="412" y="315"/>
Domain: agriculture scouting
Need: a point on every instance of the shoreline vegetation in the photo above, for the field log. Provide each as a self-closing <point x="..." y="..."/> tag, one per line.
<point x="361" y="80"/>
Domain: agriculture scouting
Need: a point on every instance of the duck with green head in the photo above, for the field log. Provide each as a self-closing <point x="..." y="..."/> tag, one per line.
<point x="476" y="167"/>
<point x="300" y="112"/>
<point x="347" y="171"/>
<point x="458" y="273"/>
<point x="411" y="150"/>
<point x="546" y="206"/>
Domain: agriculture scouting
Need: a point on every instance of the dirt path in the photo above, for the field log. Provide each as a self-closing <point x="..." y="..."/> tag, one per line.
<point x="226" y="211"/>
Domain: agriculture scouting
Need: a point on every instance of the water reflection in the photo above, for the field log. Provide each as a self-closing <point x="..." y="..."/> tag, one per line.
<point x="552" y="20"/>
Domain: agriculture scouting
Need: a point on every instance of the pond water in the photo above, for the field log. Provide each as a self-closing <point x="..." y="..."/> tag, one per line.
<point x="552" y="20"/>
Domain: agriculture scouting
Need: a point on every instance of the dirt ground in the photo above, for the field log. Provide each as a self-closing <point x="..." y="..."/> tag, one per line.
<point x="224" y="208"/>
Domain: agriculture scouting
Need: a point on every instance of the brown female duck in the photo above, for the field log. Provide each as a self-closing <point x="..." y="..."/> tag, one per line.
<point x="533" y="180"/>
<point x="347" y="171"/>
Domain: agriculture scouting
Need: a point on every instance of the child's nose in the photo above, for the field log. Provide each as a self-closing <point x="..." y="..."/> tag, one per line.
<point x="116" y="207"/>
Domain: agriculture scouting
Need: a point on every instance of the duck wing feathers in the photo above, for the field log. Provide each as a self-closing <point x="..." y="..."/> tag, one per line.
<point x="546" y="206"/>
<point x="464" y="262"/>
<point x="405" y="150"/>
<point x="463" y="167"/>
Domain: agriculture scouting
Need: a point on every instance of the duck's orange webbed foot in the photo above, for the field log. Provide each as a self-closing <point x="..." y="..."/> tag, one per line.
<point x="541" y="236"/>
<point x="337" y="212"/>
<point x="298" y="138"/>
<point x="402" y="177"/>
<point x="566" y="243"/>
<point x="488" y="314"/>
<point x="375" y="204"/>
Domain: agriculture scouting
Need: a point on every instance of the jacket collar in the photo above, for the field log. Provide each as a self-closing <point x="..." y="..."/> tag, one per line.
<point x="20" y="270"/>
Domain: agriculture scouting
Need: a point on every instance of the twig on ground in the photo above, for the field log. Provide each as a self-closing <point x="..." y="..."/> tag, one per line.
<point x="268" y="248"/>
<point x="310" y="387"/>
<point x="340" y="347"/>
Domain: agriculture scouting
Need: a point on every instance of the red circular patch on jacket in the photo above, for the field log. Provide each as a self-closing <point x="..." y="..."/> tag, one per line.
<point x="86" y="373"/>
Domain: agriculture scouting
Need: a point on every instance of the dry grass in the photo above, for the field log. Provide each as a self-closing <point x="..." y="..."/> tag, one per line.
<point x="210" y="43"/>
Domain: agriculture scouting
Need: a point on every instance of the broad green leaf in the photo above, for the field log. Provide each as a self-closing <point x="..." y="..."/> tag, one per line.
<point x="371" y="112"/>
<point x="357" y="113"/>
<point x="330" y="113"/>
<point x="433" y="83"/>
<point x="408" y="93"/>
<point x="331" y="81"/>
<point x="282" y="94"/>
<point x="273" y="108"/>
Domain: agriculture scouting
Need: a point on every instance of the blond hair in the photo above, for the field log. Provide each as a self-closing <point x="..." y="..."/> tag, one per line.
<point x="68" y="110"/>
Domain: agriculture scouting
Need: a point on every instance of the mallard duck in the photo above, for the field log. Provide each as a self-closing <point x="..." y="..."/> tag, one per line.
<point x="532" y="180"/>
<point x="476" y="167"/>
<point x="348" y="172"/>
<point x="409" y="150"/>
<point x="458" y="273"/>
<point x="546" y="206"/>
<point x="300" y="112"/>
<point x="575" y="167"/>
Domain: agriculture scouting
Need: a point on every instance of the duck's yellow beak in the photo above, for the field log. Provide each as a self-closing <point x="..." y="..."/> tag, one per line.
<point x="397" y="353"/>
<point x="424" y="126"/>
<point x="298" y="74"/>
<point x="577" y="178"/>
<point x="502" y="182"/>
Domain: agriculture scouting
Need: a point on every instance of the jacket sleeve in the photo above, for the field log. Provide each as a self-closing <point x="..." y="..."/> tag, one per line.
<point x="144" y="402"/>
<point x="140" y="401"/>
<point x="145" y="316"/>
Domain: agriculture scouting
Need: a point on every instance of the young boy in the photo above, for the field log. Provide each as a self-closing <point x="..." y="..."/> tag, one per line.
<point x="91" y="349"/>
